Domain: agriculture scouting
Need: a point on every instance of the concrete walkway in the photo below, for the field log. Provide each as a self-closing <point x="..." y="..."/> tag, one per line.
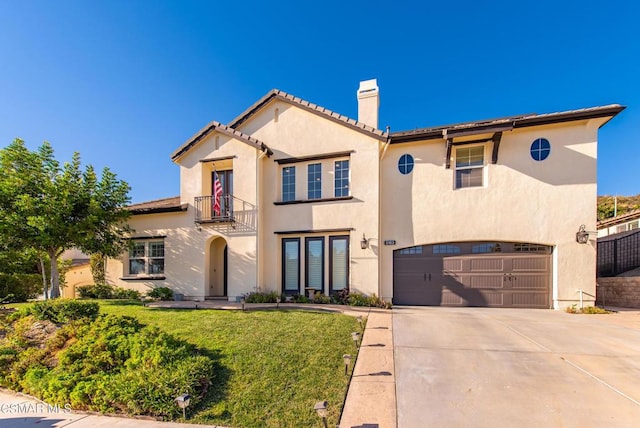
<point x="371" y="399"/>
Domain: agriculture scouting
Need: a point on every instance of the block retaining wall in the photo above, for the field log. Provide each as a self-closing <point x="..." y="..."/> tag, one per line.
<point x="619" y="291"/>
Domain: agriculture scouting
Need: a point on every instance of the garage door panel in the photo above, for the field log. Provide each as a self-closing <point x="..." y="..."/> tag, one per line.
<point x="509" y="277"/>
<point x="530" y="264"/>
<point x="492" y="264"/>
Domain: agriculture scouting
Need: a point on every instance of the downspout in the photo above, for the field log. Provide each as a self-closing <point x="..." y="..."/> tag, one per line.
<point x="380" y="241"/>
<point x="258" y="216"/>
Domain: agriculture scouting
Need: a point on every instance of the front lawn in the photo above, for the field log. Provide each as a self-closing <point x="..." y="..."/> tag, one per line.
<point x="272" y="365"/>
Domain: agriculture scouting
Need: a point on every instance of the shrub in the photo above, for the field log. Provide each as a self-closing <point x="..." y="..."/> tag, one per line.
<point x="262" y="297"/>
<point x="124" y="293"/>
<point x="162" y="293"/>
<point x="359" y="299"/>
<point x="97" y="291"/>
<point x="300" y="298"/>
<point x="106" y="291"/>
<point x="573" y="309"/>
<point x="318" y="297"/>
<point x="22" y="286"/>
<point x="60" y="310"/>
<point x="113" y="364"/>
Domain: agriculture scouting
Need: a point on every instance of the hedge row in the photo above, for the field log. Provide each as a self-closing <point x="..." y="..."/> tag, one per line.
<point x="22" y="286"/>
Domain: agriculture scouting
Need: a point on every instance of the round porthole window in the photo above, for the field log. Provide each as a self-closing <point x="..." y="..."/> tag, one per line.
<point x="540" y="149"/>
<point x="405" y="164"/>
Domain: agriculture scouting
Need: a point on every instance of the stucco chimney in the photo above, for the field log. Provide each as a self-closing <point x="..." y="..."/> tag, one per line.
<point x="368" y="102"/>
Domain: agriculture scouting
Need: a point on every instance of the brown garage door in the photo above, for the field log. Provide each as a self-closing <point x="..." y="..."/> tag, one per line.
<point x="491" y="274"/>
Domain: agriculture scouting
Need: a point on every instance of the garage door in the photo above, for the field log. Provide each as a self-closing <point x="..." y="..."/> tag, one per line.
<point x="491" y="274"/>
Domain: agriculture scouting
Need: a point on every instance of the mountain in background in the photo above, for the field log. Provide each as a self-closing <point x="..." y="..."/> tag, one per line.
<point x="625" y="204"/>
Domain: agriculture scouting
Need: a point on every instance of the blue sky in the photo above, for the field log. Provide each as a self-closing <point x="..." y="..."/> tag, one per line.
<point x="126" y="82"/>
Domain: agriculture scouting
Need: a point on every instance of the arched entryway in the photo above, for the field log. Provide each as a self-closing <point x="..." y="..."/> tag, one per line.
<point x="217" y="268"/>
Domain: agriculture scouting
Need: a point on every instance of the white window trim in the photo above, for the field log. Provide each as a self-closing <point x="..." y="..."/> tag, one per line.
<point x="483" y="168"/>
<point x="146" y="259"/>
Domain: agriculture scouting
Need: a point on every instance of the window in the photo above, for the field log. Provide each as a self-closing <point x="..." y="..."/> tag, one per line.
<point x="341" y="182"/>
<point x="339" y="263"/>
<point x="288" y="183"/>
<point x="540" y="149"/>
<point x="469" y="166"/>
<point x="411" y="250"/>
<point x="633" y="225"/>
<point x="486" y="248"/>
<point x="530" y="248"/>
<point x="291" y="265"/>
<point x="314" y="263"/>
<point x="146" y="258"/>
<point x="446" y="249"/>
<point x="405" y="164"/>
<point x="314" y="181"/>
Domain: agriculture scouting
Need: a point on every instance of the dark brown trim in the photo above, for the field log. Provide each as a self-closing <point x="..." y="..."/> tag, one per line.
<point x="146" y="238"/>
<point x="159" y="210"/>
<point x="331" y="240"/>
<point x="307" y="240"/>
<point x="143" y="278"/>
<point x="285" y="161"/>
<point x="447" y="159"/>
<point x="478" y="141"/>
<point x="302" y="232"/>
<point x="496" y="146"/>
<point x="479" y="129"/>
<point x="217" y="159"/>
<point x="522" y="121"/>
<point x="283" y="270"/>
<point x="309" y="201"/>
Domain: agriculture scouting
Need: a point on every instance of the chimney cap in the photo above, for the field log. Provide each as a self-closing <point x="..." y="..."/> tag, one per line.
<point x="368" y="86"/>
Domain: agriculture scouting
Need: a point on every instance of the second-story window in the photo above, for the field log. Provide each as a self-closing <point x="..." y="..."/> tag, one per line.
<point x="288" y="183"/>
<point x="341" y="181"/>
<point x="314" y="180"/>
<point x="469" y="166"/>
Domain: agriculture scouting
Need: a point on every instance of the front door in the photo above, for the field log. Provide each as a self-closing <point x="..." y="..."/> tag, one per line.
<point x="226" y="182"/>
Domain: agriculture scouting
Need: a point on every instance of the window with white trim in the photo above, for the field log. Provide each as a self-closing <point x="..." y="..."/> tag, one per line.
<point x="146" y="258"/>
<point x="469" y="168"/>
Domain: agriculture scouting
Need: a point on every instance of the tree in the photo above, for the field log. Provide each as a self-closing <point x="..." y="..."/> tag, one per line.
<point x="51" y="208"/>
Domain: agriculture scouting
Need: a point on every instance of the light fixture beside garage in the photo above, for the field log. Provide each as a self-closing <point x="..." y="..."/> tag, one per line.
<point x="582" y="235"/>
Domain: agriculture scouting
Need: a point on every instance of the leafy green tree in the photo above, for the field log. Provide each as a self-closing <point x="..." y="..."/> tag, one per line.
<point x="50" y="208"/>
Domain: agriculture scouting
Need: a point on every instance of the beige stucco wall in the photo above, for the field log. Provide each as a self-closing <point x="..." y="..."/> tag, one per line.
<point x="75" y="277"/>
<point x="298" y="133"/>
<point x="522" y="200"/>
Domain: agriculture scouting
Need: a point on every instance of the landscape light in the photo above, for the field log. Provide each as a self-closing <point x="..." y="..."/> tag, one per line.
<point x="183" y="401"/>
<point x="347" y="361"/>
<point x="355" y="336"/>
<point x="321" y="410"/>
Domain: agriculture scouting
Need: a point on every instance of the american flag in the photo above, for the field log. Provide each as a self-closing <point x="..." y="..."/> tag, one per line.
<point x="217" y="193"/>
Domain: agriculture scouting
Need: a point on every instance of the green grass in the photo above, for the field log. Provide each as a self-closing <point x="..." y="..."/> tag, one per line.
<point x="272" y="365"/>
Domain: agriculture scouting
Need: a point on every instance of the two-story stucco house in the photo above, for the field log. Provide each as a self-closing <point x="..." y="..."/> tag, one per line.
<point x="290" y="197"/>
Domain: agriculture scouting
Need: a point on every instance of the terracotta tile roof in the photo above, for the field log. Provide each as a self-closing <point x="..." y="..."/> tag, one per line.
<point x="223" y="129"/>
<point x="630" y="215"/>
<point x="491" y="125"/>
<point x="313" y="108"/>
<point x="165" y="205"/>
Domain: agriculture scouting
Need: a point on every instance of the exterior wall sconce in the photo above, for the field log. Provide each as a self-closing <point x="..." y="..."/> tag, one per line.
<point x="183" y="402"/>
<point x="321" y="410"/>
<point x="364" y="242"/>
<point x="582" y="235"/>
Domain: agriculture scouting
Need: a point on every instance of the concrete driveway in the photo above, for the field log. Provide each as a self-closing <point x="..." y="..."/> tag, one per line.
<point x="480" y="367"/>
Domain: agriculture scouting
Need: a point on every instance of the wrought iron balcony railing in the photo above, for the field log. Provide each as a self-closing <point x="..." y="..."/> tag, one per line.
<point x="206" y="211"/>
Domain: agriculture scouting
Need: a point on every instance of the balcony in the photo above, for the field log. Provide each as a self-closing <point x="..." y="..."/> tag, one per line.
<point x="232" y="210"/>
